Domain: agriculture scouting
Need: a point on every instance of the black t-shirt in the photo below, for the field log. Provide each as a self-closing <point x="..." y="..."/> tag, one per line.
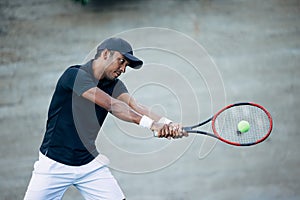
<point x="73" y="121"/>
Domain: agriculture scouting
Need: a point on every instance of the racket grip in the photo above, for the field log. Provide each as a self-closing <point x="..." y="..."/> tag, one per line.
<point x="186" y="129"/>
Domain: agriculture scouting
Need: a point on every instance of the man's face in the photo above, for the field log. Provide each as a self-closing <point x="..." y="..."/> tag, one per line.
<point x="116" y="65"/>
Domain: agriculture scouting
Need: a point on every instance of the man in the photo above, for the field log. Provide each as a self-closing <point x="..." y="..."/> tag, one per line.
<point x="82" y="98"/>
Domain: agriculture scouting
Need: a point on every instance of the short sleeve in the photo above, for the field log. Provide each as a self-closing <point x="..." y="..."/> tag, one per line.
<point x="119" y="89"/>
<point x="77" y="80"/>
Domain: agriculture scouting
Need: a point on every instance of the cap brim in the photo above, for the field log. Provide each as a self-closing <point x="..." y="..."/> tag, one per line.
<point x="134" y="62"/>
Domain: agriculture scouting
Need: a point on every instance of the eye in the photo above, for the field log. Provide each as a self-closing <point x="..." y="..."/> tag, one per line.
<point x="121" y="61"/>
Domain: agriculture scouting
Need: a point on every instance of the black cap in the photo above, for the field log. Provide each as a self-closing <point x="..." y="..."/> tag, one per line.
<point x="122" y="46"/>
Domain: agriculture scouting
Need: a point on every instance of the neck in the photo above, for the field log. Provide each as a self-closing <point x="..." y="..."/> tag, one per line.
<point x="98" y="71"/>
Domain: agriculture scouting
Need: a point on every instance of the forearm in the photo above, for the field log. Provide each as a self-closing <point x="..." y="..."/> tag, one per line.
<point x="161" y="128"/>
<point x="122" y="111"/>
<point x="144" y="110"/>
<point x="118" y="108"/>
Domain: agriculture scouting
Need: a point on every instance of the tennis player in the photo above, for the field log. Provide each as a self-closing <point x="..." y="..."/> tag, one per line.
<point x="83" y="96"/>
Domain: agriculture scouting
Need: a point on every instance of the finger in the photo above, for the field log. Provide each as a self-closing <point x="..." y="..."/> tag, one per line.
<point x="181" y="132"/>
<point x="178" y="131"/>
<point x="172" y="131"/>
<point x="186" y="134"/>
<point x="161" y="133"/>
<point x="165" y="131"/>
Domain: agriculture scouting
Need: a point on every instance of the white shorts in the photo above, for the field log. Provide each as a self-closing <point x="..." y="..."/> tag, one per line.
<point x="51" y="179"/>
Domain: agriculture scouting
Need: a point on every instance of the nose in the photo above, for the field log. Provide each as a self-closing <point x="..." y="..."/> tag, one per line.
<point x="123" y="68"/>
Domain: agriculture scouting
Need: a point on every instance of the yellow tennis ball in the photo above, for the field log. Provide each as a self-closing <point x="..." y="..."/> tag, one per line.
<point x="243" y="126"/>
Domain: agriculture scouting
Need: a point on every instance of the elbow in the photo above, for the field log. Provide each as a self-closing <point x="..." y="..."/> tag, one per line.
<point x="108" y="105"/>
<point x="114" y="106"/>
<point x="101" y="99"/>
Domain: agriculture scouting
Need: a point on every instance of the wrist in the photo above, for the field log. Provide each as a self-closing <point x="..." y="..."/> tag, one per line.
<point x="164" y="120"/>
<point x="146" y="122"/>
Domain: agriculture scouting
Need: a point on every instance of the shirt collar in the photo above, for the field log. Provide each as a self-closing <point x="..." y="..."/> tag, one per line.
<point x="88" y="67"/>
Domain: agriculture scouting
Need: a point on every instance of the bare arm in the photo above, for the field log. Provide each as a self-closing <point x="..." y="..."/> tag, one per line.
<point x="172" y="130"/>
<point x="118" y="108"/>
<point x="130" y="112"/>
<point x="125" y="97"/>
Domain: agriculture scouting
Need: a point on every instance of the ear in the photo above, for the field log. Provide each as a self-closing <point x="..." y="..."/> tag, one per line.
<point x="104" y="54"/>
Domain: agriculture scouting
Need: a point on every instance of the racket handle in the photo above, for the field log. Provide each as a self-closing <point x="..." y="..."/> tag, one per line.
<point x="186" y="129"/>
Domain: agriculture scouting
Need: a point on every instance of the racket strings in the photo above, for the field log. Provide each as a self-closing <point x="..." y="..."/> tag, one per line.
<point x="226" y="124"/>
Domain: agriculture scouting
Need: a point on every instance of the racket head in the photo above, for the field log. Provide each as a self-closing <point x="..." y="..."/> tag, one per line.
<point x="224" y="124"/>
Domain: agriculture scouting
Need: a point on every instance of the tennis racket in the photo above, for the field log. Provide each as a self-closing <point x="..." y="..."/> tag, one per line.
<point x="224" y="124"/>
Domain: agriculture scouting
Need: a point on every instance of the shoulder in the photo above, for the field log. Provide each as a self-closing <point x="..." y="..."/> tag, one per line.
<point x="75" y="72"/>
<point x="69" y="72"/>
<point x="76" y="79"/>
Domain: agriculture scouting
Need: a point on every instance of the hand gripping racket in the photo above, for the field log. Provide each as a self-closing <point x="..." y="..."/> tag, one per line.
<point x="224" y="124"/>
